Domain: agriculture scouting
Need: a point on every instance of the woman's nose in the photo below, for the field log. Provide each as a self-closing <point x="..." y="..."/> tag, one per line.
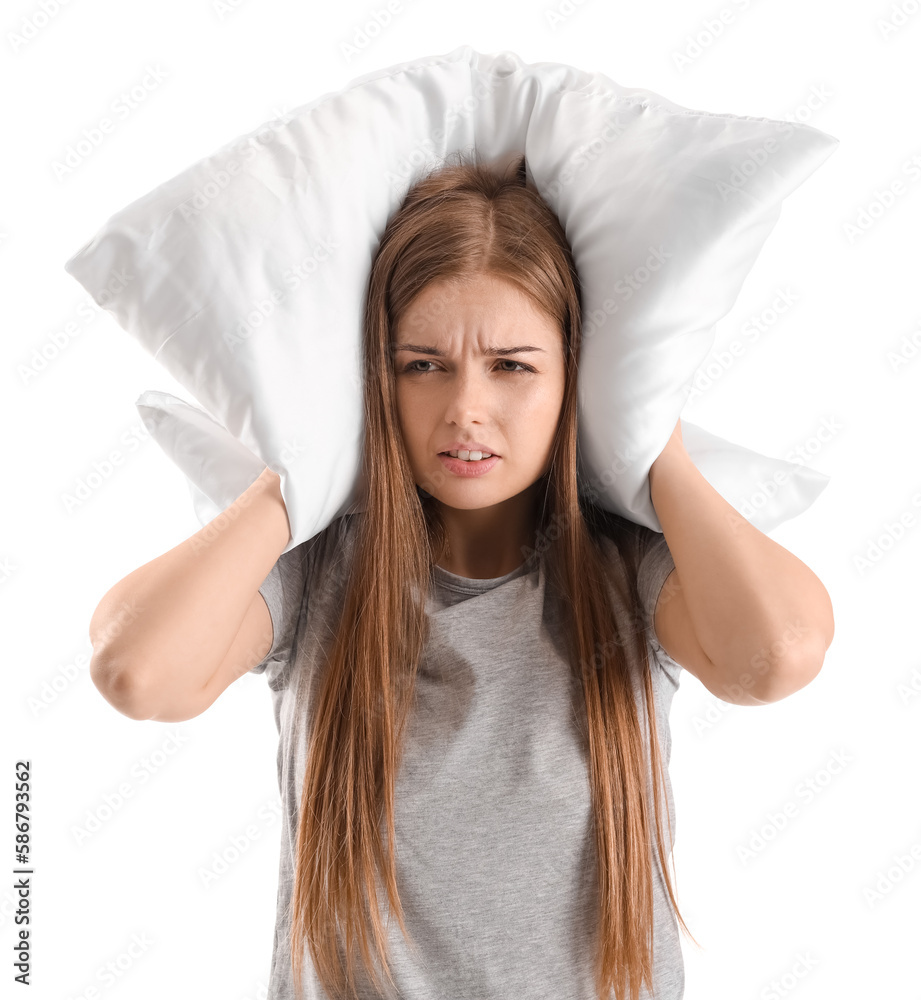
<point x="466" y="398"/>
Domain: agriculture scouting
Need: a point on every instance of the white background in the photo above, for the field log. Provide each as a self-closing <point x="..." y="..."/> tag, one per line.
<point x="835" y="359"/>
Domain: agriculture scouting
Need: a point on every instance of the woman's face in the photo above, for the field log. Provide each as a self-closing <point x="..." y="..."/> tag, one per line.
<point x="452" y="386"/>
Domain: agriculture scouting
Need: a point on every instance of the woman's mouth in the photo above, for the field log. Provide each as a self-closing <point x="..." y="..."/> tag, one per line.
<point x="469" y="468"/>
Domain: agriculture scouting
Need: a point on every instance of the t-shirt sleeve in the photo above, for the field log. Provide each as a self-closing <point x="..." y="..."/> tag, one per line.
<point x="285" y="594"/>
<point x="655" y="563"/>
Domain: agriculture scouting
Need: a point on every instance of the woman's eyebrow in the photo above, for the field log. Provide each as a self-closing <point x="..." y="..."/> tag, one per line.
<point x="489" y="351"/>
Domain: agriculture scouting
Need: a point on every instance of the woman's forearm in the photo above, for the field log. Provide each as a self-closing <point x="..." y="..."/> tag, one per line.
<point x="171" y="621"/>
<point x="744" y="592"/>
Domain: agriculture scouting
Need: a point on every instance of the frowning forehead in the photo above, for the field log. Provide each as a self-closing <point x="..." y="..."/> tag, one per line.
<point x="492" y="352"/>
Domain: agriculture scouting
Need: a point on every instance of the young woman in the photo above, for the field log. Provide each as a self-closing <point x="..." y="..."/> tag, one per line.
<point x="472" y="673"/>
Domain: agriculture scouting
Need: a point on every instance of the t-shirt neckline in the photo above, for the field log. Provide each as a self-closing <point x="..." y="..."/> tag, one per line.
<point x="468" y="585"/>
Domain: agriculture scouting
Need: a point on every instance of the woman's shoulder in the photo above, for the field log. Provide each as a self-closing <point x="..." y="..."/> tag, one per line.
<point x="630" y="544"/>
<point x="640" y="552"/>
<point x="650" y="562"/>
<point x="337" y="532"/>
<point x="330" y="546"/>
<point x="318" y="555"/>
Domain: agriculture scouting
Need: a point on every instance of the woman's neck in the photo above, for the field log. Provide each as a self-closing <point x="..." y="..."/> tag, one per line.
<point x="490" y="541"/>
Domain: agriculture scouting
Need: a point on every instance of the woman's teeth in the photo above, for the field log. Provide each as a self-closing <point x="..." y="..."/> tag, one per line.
<point x="470" y="456"/>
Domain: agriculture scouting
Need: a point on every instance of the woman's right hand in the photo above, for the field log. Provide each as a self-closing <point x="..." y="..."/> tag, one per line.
<point x="272" y="482"/>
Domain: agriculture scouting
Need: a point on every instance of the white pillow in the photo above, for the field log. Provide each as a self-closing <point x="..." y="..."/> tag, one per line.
<point x="247" y="271"/>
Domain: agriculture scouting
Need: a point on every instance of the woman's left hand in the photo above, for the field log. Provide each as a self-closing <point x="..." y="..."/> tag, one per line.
<point x="673" y="446"/>
<point x="675" y="441"/>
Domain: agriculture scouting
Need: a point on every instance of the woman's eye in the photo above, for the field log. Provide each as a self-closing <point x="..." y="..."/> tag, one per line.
<point x="410" y="368"/>
<point x="508" y="361"/>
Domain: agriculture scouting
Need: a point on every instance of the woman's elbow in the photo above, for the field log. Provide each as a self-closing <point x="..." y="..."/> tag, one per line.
<point x="120" y="686"/>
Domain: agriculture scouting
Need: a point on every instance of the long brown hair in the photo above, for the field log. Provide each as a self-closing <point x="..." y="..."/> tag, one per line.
<point x="462" y="219"/>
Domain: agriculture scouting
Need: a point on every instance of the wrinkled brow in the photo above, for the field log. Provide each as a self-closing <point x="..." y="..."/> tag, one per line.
<point x="489" y="351"/>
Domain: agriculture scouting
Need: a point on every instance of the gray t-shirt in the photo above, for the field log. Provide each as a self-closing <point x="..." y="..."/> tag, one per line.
<point x="495" y="851"/>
